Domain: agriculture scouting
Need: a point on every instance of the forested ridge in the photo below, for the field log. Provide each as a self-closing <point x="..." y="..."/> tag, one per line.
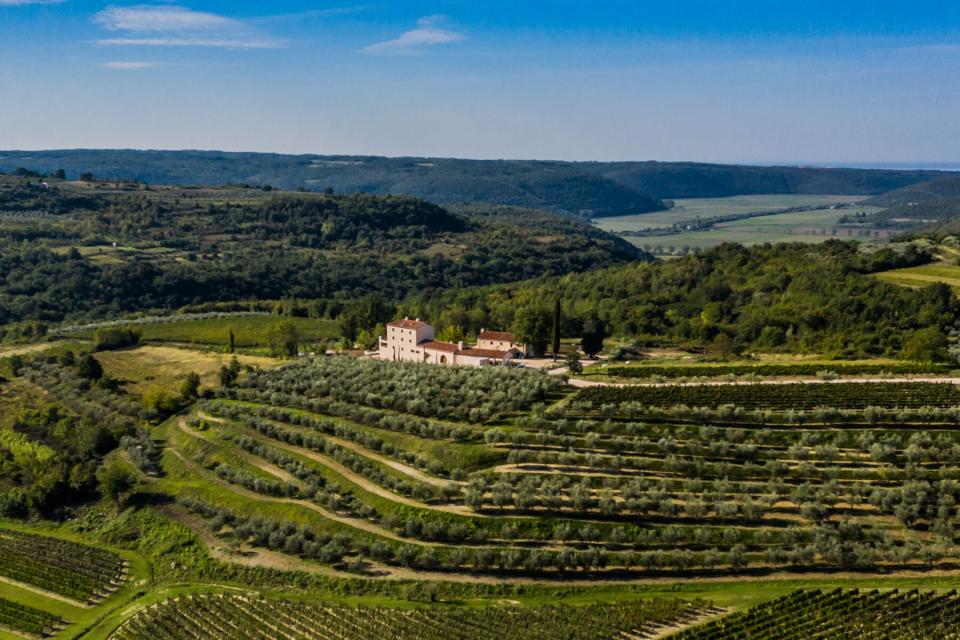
<point x="66" y="253"/>
<point x="74" y="253"/>
<point x="583" y="189"/>
<point x="789" y="297"/>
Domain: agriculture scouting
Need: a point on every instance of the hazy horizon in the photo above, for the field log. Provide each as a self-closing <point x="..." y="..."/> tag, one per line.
<point x="929" y="166"/>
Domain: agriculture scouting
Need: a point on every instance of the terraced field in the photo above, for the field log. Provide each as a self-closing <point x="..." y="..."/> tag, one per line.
<point x="353" y="464"/>
<point x="798" y="369"/>
<point x="842" y="395"/>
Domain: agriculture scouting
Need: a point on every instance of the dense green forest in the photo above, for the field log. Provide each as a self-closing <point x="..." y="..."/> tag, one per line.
<point x="947" y="186"/>
<point x="585" y="189"/>
<point x="926" y="205"/>
<point x="68" y="253"/>
<point x="789" y="297"/>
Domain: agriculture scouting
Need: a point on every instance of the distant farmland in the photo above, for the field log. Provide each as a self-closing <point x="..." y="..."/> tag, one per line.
<point x="783" y="224"/>
<point x="924" y="275"/>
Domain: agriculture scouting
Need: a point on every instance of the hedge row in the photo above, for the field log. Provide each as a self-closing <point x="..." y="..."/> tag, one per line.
<point x="795" y="396"/>
<point x="773" y="369"/>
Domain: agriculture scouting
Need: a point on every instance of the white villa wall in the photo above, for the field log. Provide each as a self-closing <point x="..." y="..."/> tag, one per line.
<point x="413" y="341"/>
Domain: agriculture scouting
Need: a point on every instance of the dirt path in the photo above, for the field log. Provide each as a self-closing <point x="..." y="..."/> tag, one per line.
<point x="544" y="469"/>
<point x="360" y="480"/>
<point x="255" y="557"/>
<point x="245" y="555"/>
<point x="276" y="472"/>
<point x="582" y="384"/>
<point x="355" y="523"/>
<point x="405" y="469"/>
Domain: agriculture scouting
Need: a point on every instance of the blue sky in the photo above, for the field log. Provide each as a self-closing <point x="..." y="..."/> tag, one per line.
<point x="841" y="82"/>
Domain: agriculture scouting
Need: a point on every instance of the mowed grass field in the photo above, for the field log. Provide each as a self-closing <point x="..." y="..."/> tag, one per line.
<point x="706" y="208"/>
<point x="925" y="275"/>
<point x="812" y="226"/>
<point x="152" y="368"/>
<point x="248" y="331"/>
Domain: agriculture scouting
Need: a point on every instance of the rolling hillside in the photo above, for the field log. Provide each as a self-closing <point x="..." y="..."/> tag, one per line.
<point x="74" y="249"/>
<point x="584" y="189"/>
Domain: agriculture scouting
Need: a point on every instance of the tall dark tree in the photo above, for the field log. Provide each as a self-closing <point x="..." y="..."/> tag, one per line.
<point x="592" y="336"/>
<point x="89" y="368"/>
<point x="190" y="390"/>
<point x="556" y="328"/>
<point x="531" y="326"/>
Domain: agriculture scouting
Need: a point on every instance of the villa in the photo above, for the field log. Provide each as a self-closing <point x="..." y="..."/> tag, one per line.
<point x="413" y="341"/>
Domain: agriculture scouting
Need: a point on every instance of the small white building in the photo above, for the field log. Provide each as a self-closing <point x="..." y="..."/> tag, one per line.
<point x="413" y="341"/>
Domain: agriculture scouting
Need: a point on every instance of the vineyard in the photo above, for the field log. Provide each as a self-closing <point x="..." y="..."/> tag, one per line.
<point x="80" y="572"/>
<point x="227" y="617"/>
<point x="841" y="615"/>
<point x="24" y="619"/>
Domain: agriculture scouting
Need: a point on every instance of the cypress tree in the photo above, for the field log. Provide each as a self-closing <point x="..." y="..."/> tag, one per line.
<point x="556" y="328"/>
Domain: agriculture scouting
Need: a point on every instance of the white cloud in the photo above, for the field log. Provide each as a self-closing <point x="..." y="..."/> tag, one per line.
<point x="144" y="18"/>
<point x="20" y="3"/>
<point x="175" y="26"/>
<point x="127" y="65"/>
<point x="222" y="43"/>
<point x="429" y="33"/>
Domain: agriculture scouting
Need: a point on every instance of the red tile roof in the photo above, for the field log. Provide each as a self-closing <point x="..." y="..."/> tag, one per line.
<point x="406" y="323"/>
<point x="483" y="353"/>
<point x="436" y="345"/>
<point x="500" y="336"/>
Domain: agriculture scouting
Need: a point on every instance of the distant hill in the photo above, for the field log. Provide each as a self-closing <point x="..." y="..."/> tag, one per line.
<point x="931" y="202"/>
<point x="581" y="189"/>
<point x="947" y="186"/>
<point x="97" y="250"/>
<point x="556" y="186"/>
<point x="934" y="211"/>
<point x="697" y="180"/>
